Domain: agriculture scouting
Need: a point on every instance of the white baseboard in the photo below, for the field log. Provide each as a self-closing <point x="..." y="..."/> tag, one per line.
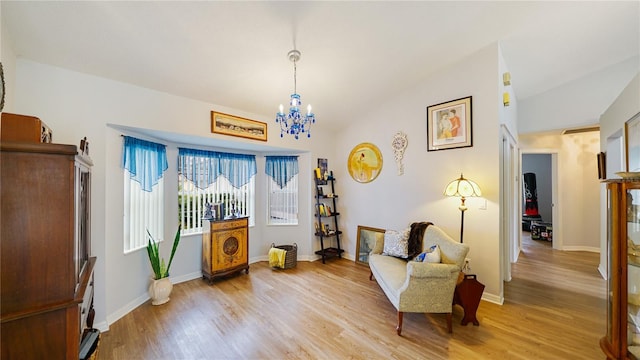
<point x="118" y="314"/>
<point x="581" y="248"/>
<point x="259" y="259"/>
<point x="186" y="277"/>
<point x="603" y="271"/>
<point x="309" y="258"/>
<point x="102" y="326"/>
<point x="132" y="305"/>
<point x="493" y="298"/>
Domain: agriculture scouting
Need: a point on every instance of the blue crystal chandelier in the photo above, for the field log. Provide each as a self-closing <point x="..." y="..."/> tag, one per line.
<point x="294" y="122"/>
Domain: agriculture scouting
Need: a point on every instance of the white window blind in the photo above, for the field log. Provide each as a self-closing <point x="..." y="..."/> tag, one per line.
<point x="282" y="202"/>
<point x="200" y="188"/>
<point x="144" y="163"/>
<point x="282" y="190"/>
<point x="142" y="210"/>
<point x="192" y="200"/>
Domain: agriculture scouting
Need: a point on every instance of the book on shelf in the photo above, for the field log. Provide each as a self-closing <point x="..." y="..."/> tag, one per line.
<point x="322" y="210"/>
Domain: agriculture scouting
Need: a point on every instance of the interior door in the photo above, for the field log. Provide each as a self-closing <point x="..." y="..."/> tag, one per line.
<point x="509" y="204"/>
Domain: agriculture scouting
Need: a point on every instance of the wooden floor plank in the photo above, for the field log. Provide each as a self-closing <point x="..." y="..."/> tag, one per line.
<point x="554" y="309"/>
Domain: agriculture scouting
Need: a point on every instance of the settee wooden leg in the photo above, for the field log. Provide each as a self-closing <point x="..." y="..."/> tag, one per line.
<point x="370" y="275"/>
<point x="399" y="327"/>
<point x="449" y="326"/>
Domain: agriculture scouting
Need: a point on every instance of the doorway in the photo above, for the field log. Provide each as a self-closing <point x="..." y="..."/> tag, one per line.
<point x="536" y="199"/>
<point x="543" y="166"/>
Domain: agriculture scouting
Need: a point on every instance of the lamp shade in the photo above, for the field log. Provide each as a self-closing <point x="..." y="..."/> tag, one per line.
<point x="462" y="187"/>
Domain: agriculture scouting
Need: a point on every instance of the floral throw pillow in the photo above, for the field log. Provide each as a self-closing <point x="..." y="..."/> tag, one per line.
<point x="396" y="243"/>
<point x="432" y="255"/>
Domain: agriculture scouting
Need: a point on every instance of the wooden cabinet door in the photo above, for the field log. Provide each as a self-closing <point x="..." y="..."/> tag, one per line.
<point x="229" y="249"/>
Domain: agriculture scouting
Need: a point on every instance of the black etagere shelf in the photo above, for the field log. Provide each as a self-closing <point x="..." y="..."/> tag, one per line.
<point x="327" y="229"/>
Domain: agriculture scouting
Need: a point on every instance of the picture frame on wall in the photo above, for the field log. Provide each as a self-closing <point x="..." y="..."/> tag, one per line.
<point x="632" y="139"/>
<point x="449" y="125"/>
<point x="364" y="162"/>
<point x="226" y="124"/>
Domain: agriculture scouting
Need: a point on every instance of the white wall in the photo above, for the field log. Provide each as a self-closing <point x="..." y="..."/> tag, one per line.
<point x="76" y="105"/>
<point x="508" y="115"/>
<point x="8" y="59"/>
<point x="578" y="103"/>
<point x="576" y="225"/>
<point x="394" y="202"/>
<point x="625" y="106"/>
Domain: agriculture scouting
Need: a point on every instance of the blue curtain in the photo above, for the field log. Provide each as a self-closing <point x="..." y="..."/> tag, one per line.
<point x="281" y="168"/>
<point x="145" y="161"/>
<point x="203" y="167"/>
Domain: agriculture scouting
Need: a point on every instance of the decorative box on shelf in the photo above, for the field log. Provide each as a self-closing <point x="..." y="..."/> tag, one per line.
<point x="24" y="128"/>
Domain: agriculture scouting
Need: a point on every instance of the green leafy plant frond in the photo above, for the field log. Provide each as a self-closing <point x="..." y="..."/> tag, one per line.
<point x="160" y="270"/>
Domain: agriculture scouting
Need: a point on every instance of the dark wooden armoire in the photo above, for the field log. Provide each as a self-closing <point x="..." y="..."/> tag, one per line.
<point x="46" y="271"/>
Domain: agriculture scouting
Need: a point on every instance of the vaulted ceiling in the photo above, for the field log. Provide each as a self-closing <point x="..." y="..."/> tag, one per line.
<point x="354" y="54"/>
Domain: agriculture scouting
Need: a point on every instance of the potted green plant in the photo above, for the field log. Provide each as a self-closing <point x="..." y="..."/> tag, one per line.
<point x="161" y="286"/>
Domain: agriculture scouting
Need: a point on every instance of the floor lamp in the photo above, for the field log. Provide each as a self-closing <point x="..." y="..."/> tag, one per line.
<point x="462" y="188"/>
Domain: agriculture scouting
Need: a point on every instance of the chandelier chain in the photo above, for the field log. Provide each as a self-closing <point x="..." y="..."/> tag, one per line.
<point x="295" y="78"/>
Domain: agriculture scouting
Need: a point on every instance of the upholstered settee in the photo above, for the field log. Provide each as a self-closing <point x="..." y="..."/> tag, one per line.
<point x="420" y="287"/>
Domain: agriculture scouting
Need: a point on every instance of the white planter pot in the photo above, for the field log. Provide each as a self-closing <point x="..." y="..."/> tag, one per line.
<point x="159" y="291"/>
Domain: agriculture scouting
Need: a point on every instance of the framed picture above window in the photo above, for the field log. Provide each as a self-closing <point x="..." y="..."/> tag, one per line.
<point x="449" y="125"/>
<point x="236" y="126"/>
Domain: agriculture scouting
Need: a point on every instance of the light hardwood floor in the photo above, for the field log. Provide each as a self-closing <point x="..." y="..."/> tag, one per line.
<point x="554" y="309"/>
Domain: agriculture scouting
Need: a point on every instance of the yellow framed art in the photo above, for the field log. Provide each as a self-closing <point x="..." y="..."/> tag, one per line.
<point x="364" y="162"/>
<point x="236" y="126"/>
